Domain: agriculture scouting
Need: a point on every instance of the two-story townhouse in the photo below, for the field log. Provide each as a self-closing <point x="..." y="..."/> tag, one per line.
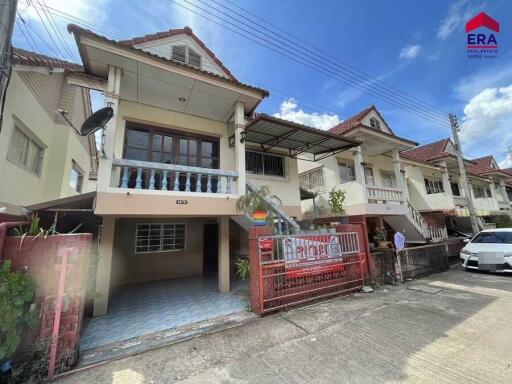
<point x="45" y="157"/>
<point x="184" y="144"/>
<point x="440" y="193"/>
<point x="372" y="175"/>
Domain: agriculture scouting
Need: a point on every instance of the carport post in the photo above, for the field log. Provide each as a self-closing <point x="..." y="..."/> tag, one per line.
<point x="106" y="249"/>
<point x="224" y="254"/>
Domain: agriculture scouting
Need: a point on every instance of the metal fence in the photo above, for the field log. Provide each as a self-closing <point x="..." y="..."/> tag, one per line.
<point x="422" y="261"/>
<point x="301" y="268"/>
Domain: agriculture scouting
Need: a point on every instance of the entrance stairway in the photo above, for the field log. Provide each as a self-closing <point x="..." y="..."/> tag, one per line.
<point x="415" y="228"/>
<point x="283" y="224"/>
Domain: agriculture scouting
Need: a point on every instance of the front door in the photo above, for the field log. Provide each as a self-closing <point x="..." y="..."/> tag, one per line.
<point x="211" y="248"/>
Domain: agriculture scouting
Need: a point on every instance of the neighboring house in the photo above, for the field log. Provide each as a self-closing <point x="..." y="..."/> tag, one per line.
<point x="444" y="192"/>
<point x="183" y="146"/>
<point x="41" y="156"/>
<point x="372" y="177"/>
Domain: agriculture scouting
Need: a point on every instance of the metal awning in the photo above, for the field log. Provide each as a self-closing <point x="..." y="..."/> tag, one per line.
<point x="272" y="132"/>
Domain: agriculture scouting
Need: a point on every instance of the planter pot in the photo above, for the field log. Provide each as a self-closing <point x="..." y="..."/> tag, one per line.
<point x="259" y="217"/>
<point x="5" y="367"/>
<point x="383" y="244"/>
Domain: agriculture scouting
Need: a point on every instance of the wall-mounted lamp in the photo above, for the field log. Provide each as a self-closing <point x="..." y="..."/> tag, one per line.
<point x="364" y="164"/>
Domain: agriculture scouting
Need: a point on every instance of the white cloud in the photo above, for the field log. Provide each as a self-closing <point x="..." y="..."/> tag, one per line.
<point x="458" y="14"/>
<point x="489" y="114"/>
<point x="289" y="110"/>
<point x="410" y="51"/>
<point x="490" y="77"/>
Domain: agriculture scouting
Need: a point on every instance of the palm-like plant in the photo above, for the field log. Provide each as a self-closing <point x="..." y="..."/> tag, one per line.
<point x="255" y="200"/>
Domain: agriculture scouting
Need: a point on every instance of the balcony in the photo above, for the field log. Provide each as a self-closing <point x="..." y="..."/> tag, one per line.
<point x="384" y="195"/>
<point x="459" y="201"/>
<point x="145" y="175"/>
<point x="503" y="205"/>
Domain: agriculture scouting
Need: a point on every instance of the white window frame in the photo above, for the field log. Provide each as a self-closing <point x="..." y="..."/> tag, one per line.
<point x="18" y="125"/>
<point x="136" y="251"/>
<point x="347" y="165"/>
<point x="187" y="48"/>
<point x="434" y="186"/>
<point x="80" y="176"/>
<point x="388" y="175"/>
<point x="264" y="175"/>
<point x="369" y="177"/>
<point x="375" y="123"/>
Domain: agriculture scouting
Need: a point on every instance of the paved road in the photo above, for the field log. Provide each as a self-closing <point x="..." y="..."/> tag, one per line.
<point x="394" y="335"/>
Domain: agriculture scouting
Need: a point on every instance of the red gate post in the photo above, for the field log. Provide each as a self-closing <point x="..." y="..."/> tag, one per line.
<point x="364" y="245"/>
<point x="255" y="266"/>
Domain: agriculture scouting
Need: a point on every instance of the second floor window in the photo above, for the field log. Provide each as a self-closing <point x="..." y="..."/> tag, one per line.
<point x="388" y="179"/>
<point x="455" y="189"/>
<point x="267" y="164"/>
<point x="481" y="191"/>
<point x="25" y="151"/>
<point x="76" y="180"/>
<point x="433" y="186"/>
<point x="368" y="176"/>
<point x="374" y="123"/>
<point x="186" y="55"/>
<point x="346" y="172"/>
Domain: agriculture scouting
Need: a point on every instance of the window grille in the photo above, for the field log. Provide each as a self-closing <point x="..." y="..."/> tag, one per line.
<point x="267" y="164"/>
<point x="159" y="237"/>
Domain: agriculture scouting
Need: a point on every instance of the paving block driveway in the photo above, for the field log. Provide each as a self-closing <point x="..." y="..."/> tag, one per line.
<point x="462" y="334"/>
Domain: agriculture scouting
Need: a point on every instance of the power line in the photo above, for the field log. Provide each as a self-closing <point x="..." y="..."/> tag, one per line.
<point x="315" y="65"/>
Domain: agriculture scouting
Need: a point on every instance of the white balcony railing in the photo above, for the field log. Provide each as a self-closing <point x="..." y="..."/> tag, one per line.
<point x="459" y="201"/>
<point x="437" y="234"/>
<point x="172" y="177"/>
<point x="313" y="180"/>
<point x="384" y="194"/>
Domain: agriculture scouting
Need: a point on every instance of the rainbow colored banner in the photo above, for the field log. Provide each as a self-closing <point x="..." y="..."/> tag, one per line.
<point x="259" y="218"/>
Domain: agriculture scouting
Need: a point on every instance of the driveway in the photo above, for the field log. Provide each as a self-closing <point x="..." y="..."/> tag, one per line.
<point x="462" y="334"/>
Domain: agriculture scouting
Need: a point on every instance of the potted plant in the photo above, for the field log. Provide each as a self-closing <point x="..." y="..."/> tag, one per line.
<point x="336" y="203"/>
<point x="16" y="312"/>
<point x="381" y="237"/>
<point x="255" y="202"/>
<point x="243" y="269"/>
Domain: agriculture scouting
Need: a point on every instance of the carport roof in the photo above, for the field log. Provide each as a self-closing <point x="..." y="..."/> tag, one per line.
<point x="270" y="132"/>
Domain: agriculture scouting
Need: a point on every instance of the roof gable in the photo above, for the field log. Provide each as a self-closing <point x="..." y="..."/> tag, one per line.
<point x="162" y="43"/>
<point x="362" y="118"/>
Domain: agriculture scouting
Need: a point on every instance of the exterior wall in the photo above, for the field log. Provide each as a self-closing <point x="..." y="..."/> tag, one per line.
<point x="286" y="189"/>
<point x="418" y="194"/>
<point x="130" y="267"/>
<point x="60" y="143"/>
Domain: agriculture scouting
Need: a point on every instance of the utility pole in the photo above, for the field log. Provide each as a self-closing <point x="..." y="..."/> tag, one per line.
<point x="464" y="178"/>
<point x="7" y="19"/>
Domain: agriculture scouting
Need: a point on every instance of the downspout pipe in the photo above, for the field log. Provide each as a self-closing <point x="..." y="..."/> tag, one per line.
<point x="3" y="232"/>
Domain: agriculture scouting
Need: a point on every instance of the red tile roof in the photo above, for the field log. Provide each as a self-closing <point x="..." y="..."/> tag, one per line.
<point x="508" y="171"/>
<point x="482" y="165"/>
<point x="351" y="122"/>
<point x="427" y="152"/>
<point x="77" y="31"/>
<point x="174" y="32"/>
<point x="34" y="59"/>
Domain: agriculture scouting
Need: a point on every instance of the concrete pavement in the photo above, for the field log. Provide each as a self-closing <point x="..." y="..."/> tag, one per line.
<point x="462" y="334"/>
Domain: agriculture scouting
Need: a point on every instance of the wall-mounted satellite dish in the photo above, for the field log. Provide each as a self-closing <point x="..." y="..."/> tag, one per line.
<point x="96" y="121"/>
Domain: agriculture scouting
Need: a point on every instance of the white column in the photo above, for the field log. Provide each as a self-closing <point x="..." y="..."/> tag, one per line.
<point x="359" y="170"/>
<point x="223" y="254"/>
<point x="401" y="183"/>
<point x="112" y="100"/>
<point x="494" y="196"/>
<point x="447" y="185"/>
<point x="504" y="191"/>
<point x="240" y="147"/>
<point x="106" y="249"/>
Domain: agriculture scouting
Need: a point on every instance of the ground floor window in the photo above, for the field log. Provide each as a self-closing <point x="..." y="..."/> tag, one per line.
<point x="433" y="186"/>
<point x="159" y="237"/>
<point x="267" y="164"/>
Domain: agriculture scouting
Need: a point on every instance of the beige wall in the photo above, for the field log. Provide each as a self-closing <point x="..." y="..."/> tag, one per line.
<point x="130" y="267"/>
<point x="61" y="146"/>
<point x="414" y="175"/>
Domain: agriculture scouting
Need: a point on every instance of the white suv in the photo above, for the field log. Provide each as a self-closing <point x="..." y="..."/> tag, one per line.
<point x="490" y="250"/>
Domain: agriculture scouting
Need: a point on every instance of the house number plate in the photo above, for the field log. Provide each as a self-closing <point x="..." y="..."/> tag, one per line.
<point x="182" y="202"/>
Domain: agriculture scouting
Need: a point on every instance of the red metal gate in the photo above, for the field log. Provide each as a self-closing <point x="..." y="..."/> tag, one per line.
<point x="294" y="269"/>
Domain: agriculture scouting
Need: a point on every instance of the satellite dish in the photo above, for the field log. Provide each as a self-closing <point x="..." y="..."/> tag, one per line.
<point x="96" y="121"/>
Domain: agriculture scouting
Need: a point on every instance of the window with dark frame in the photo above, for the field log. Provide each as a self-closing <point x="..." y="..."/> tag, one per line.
<point x="170" y="147"/>
<point x="77" y="177"/>
<point x="433" y="186"/>
<point x="455" y="189"/>
<point x="374" y="123"/>
<point x="159" y="237"/>
<point x="267" y="164"/>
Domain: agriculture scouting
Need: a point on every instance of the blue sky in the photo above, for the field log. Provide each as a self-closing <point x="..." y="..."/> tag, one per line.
<point x="417" y="47"/>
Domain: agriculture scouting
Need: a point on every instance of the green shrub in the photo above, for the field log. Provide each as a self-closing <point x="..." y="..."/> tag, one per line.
<point x="243" y="269"/>
<point x="502" y="221"/>
<point x="16" y="296"/>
